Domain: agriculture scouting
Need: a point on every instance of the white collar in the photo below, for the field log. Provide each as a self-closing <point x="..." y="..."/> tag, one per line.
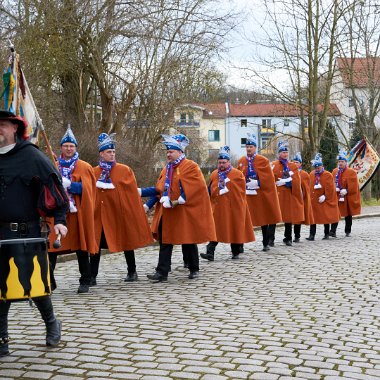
<point x="6" y="149"/>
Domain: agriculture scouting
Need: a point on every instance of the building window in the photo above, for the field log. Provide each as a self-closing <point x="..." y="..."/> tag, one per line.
<point x="304" y="123"/>
<point x="351" y="123"/>
<point x="243" y="123"/>
<point x="286" y="122"/>
<point x="350" y="101"/>
<point x="182" y="118"/>
<point x="243" y="141"/>
<point x="214" y="135"/>
<point x="266" y="123"/>
<point x="191" y="117"/>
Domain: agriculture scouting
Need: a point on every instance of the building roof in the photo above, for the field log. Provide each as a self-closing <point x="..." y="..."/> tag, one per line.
<point x="365" y="71"/>
<point x="210" y="110"/>
<point x="274" y="110"/>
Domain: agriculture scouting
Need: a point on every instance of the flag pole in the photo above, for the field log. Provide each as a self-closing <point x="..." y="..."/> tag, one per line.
<point x="40" y="126"/>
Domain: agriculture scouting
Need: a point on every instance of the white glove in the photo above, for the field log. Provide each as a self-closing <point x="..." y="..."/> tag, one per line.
<point x="291" y="173"/>
<point x="223" y="191"/>
<point x="280" y="183"/>
<point x="139" y="190"/>
<point x="250" y="192"/>
<point x="66" y="182"/>
<point x="165" y="202"/>
<point x="343" y="192"/>
<point x="322" y="198"/>
<point x="146" y="208"/>
<point x="181" y="201"/>
<point x="337" y="189"/>
<point x="319" y="186"/>
<point x="252" y="184"/>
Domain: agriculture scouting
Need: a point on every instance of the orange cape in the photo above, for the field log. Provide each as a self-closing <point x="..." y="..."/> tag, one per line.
<point x="305" y="185"/>
<point x="264" y="207"/>
<point x="352" y="202"/>
<point x="291" y="201"/>
<point x="328" y="211"/>
<point x="191" y="223"/>
<point x="80" y="225"/>
<point x="120" y="213"/>
<point x="231" y="214"/>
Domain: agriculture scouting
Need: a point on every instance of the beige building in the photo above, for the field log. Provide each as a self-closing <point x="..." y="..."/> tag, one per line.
<point x="205" y="126"/>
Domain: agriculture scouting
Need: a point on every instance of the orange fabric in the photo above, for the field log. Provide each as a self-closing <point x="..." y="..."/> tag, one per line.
<point x="264" y="207"/>
<point x="120" y="213"/>
<point x="352" y="202"/>
<point x="80" y="225"/>
<point x="305" y="186"/>
<point x="191" y="223"/>
<point x="328" y="211"/>
<point x="291" y="202"/>
<point x="230" y="210"/>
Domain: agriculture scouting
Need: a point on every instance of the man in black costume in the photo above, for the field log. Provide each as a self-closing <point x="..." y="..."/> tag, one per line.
<point x="30" y="187"/>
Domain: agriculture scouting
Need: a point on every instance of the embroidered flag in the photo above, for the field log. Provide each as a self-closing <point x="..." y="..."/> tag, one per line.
<point x="364" y="159"/>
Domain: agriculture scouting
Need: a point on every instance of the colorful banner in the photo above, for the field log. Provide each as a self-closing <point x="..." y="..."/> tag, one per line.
<point x="364" y="159"/>
<point x="18" y="99"/>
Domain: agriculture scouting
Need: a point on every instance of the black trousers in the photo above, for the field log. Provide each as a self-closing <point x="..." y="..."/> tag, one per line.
<point x="347" y="227"/>
<point x="165" y="257"/>
<point x="313" y="229"/>
<point x="235" y="247"/>
<point x="264" y="232"/>
<point x="43" y="304"/>
<point x="287" y="233"/>
<point x="271" y="232"/>
<point x="297" y="230"/>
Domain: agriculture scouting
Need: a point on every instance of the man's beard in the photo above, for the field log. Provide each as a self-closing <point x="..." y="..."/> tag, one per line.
<point x="2" y="140"/>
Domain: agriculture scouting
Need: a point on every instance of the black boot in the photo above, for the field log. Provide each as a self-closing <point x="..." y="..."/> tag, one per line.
<point x="53" y="325"/>
<point x="207" y="256"/>
<point x="4" y="309"/>
<point x="310" y="238"/>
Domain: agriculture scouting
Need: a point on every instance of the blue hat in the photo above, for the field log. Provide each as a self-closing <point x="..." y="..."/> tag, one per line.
<point x="69" y="137"/>
<point x="282" y="146"/>
<point x="317" y="160"/>
<point x="251" y="139"/>
<point x="176" y="142"/>
<point x="106" y="141"/>
<point x="224" y="153"/>
<point x="298" y="157"/>
<point x="342" y="155"/>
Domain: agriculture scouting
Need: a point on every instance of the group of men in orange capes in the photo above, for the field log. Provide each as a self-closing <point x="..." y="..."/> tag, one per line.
<point x="106" y="210"/>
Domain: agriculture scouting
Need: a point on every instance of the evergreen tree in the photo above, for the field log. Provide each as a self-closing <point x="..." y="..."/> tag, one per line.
<point x="329" y="147"/>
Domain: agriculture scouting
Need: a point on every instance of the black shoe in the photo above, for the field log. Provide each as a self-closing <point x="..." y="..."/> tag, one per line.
<point x="4" y="351"/>
<point x="157" y="277"/>
<point x="131" y="277"/>
<point x="235" y="256"/>
<point x="93" y="281"/>
<point x="53" y="336"/>
<point x="326" y="237"/>
<point x="348" y="234"/>
<point x="296" y="240"/>
<point x="271" y="243"/>
<point x="207" y="256"/>
<point x="193" y="275"/>
<point x="83" y="288"/>
<point x="287" y="242"/>
<point x="332" y="234"/>
<point x="310" y="238"/>
<point x="266" y="248"/>
<point x="241" y="249"/>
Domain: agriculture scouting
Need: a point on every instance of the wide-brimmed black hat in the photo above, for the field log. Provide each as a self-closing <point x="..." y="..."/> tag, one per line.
<point x="20" y="121"/>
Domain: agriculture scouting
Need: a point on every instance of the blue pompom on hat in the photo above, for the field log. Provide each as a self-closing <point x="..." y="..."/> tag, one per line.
<point x="251" y="139"/>
<point x="106" y="141"/>
<point x="342" y="155"/>
<point x="224" y="153"/>
<point x="298" y="157"/>
<point x="69" y="137"/>
<point x="282" y="146"/>
<point x="317" y="160"/>
<point x="176" y="142"/>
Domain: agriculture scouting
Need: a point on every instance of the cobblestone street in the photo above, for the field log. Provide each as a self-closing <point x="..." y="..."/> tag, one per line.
<point x="310" y="311"/>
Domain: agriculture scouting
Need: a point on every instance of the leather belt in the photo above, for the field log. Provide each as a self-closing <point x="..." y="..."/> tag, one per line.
<point x="18" y="226"/>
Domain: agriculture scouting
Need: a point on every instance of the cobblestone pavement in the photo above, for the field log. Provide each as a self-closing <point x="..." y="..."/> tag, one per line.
<point x="310" y="311"/>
